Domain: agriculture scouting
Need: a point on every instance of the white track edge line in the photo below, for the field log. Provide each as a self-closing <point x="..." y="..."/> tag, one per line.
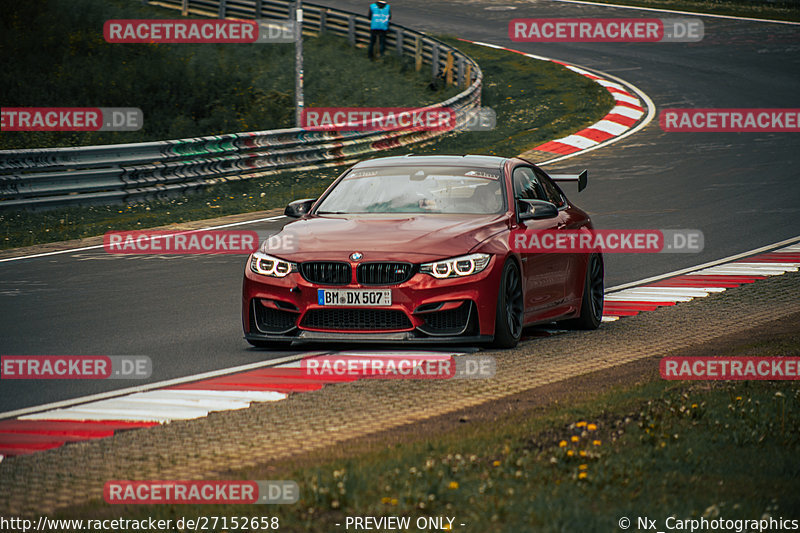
<point x="695" y="13"/>
<point x="728" y="259"/>
<point x="157" y="385"/>
<point x="96" y="246"/>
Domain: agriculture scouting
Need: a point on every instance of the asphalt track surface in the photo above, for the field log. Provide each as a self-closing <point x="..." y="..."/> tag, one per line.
<point x="741" y="190"/>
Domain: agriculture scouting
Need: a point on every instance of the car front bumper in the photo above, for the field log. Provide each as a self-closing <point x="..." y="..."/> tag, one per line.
<point x="424" y="309"/>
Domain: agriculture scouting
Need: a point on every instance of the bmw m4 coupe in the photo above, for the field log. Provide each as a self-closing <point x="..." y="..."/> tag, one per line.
<point x="419" y="249"/>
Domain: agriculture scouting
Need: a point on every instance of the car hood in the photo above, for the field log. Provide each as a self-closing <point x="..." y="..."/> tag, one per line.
<point x="414" y="238"/>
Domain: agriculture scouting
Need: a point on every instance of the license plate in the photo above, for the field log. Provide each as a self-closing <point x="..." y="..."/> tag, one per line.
<point x="354" y="297"/>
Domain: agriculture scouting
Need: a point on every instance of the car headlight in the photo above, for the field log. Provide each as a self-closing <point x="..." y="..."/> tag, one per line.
<point x="456" y="267"/>
<point x="271" y="266"/>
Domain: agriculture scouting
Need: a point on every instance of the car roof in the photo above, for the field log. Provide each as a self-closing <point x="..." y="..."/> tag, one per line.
<point x="453" y="160"/>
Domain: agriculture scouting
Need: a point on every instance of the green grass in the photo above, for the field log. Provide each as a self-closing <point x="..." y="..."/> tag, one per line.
<point x="688" y="452"/>
<point x="184" y="90"/>
<point x="657" y="449"/>
<point x="535" y="101"/>
<point x="777" y="10"/>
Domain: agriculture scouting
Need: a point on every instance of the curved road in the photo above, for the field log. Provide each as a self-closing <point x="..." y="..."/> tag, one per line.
<point x="741" y="190"/>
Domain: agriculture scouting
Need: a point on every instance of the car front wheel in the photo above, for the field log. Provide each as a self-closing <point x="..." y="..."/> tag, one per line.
<point x="508" y="321"/>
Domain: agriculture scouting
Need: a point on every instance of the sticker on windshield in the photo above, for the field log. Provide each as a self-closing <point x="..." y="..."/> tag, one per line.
<point x="482" y="174"/>
<point x="362" y="174"/>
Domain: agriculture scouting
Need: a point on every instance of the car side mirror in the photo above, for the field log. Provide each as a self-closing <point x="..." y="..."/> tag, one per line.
<point x="535" y="209"/>
<point x="299" y="208"/>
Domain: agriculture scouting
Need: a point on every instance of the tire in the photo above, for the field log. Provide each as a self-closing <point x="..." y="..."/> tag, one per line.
<point x="269" y="345"/>
<point x="592" y="299"/>
<point x="510" y="307"/>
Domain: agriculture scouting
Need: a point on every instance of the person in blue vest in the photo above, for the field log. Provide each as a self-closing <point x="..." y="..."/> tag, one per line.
<point x="380" y="13"/>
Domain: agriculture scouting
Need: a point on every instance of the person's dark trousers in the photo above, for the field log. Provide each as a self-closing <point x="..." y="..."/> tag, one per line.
<point x="380" y="36"/>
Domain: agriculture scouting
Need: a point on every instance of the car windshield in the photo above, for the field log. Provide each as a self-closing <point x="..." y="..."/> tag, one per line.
<point x="443" y="190"/>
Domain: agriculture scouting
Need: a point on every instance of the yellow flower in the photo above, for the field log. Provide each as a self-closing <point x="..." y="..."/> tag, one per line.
<point x="574" y="438"/>
<point x="570" y="453"/>
<point x="446" y="527"/>
<point x="453" y="485"/>
<point x="496" y="463"/>
<point x="580" y="424"/>
<point x="393" y="501"/>
<point x="582" y="475"/>
<point x="596" y="442"/>
<point x="582" y="467"/>
<point x="386" y="499"/>
<point x="562" y="444"/>
<point x="694" y="406"/>
<point x="591" y="427"/>
<point x="583" y="453"/>
<point x="738" y="398"/>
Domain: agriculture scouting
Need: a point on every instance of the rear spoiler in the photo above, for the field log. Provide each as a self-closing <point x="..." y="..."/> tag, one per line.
<point x="581" y="178"/>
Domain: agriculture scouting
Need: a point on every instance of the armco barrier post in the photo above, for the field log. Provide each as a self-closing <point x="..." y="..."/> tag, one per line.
<point x="448" y="68"/>
<point x="257" y="9"/>
<point x="323" y="20"/>
<point x="222" y="8"/>
<point x="418" y="54"/>
<point x="398" y="36"/>
<point x="185" y="8"/>
<point x="435" y="61"/>
<point x="351" y="29"/>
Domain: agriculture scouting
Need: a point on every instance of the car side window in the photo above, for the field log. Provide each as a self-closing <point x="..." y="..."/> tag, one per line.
<point x="551" y="190"/>
<point x="526" y="185"/>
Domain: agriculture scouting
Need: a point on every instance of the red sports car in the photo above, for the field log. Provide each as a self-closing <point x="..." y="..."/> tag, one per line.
<point x="417" y="249"/>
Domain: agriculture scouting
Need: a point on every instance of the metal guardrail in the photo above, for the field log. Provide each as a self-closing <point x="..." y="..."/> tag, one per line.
<point x="51" y="177"/>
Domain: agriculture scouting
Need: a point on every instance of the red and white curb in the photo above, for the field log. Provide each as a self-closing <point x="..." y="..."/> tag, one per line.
<point x="627" y="111"/>
<point x="632" y="111"/>
<point x="52" y="428"/>
<point x="700" y="282"/>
